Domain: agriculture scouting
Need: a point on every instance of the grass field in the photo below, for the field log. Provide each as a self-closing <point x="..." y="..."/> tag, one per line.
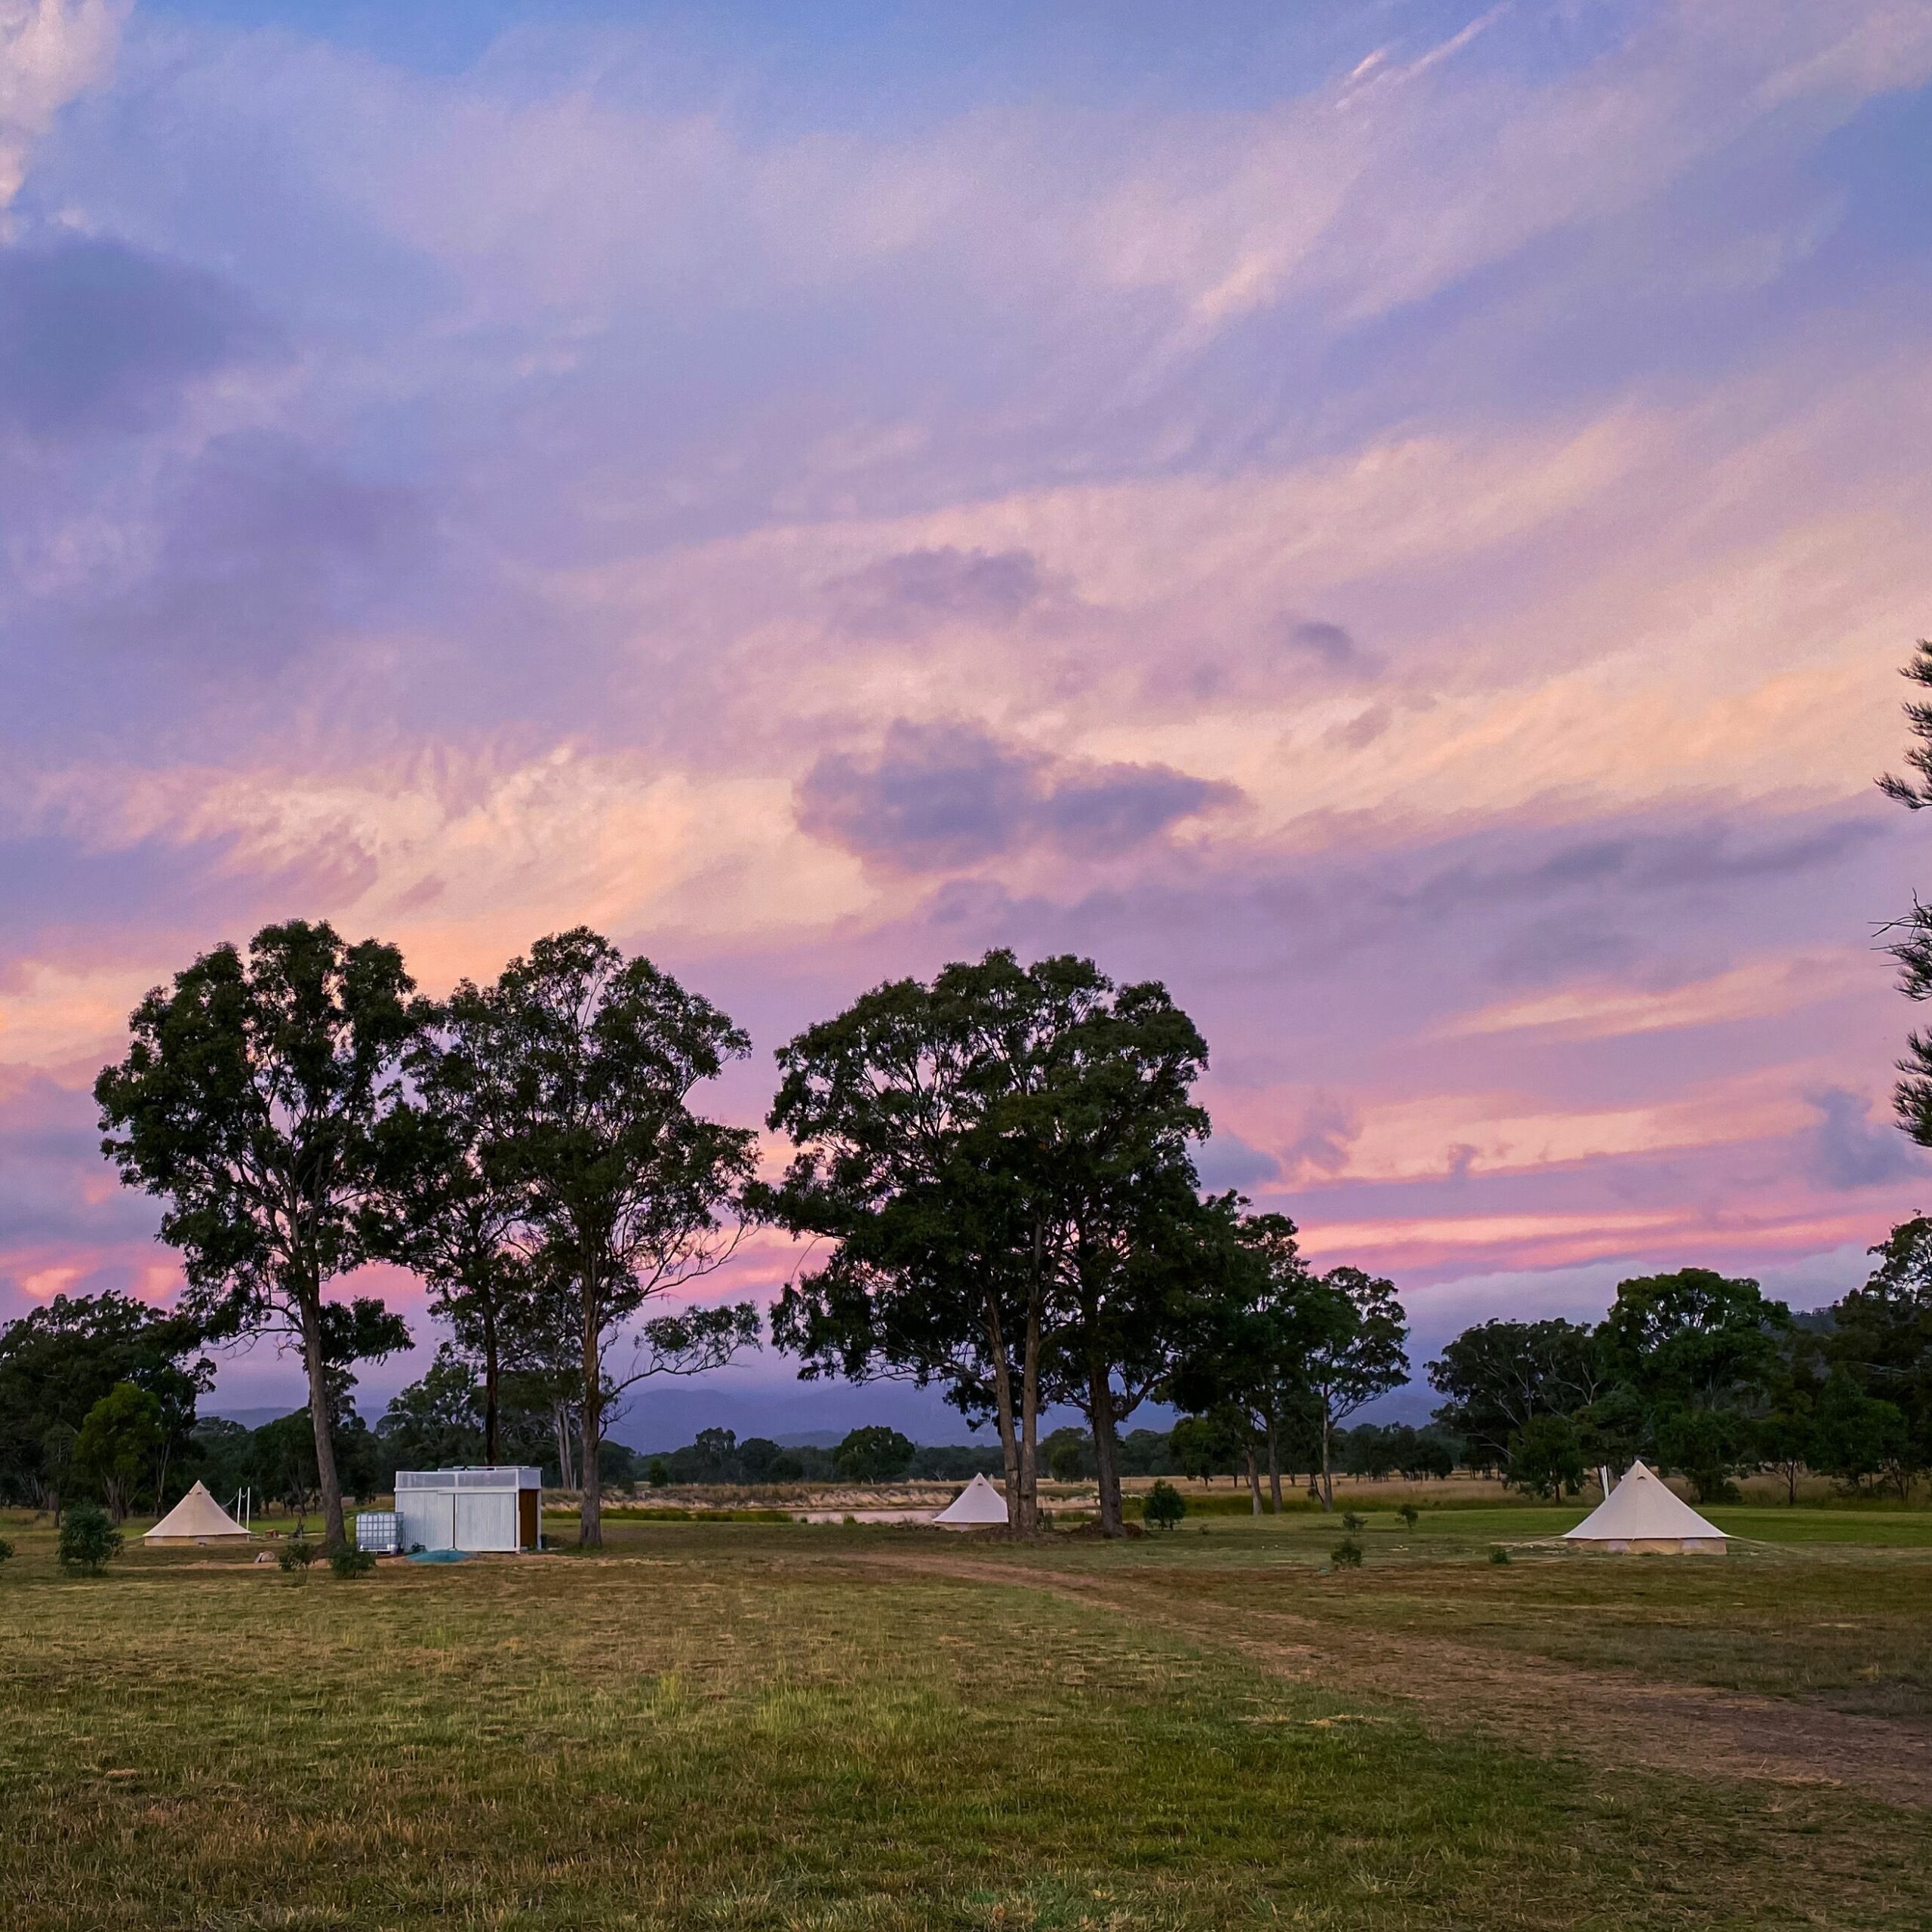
<point x="749" y="1724"/>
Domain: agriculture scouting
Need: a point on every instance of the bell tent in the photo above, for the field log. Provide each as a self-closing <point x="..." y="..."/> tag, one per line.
<point x="195" y="1518"/>
<point x="1643" y="1516"/>
<point x="978" y="1503"/>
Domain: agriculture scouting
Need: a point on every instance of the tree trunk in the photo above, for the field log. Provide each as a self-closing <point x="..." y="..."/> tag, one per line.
<point x="1106" y="1446"/>
<point x="334" y="1534"/>
<point x="1253" y="1479"/>
<point x="1274" y="1464"/>
<point x="590" y="1513"/>
<point x="1327" y="1473"/>
<point x="1009" y="1440"/>
<point x="490" y="1368"/>
<point x="1029" y="1419"/>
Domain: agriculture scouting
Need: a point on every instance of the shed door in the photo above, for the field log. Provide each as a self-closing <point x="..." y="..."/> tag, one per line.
<point x="526" y="1518"/>
<point x="485" y="1520"/>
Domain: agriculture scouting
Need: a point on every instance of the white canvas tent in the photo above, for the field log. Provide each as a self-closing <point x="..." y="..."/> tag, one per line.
<point x="195" y="1518"/>
<point x="1642" y="1515"/>
<point x="978" y="1503"/>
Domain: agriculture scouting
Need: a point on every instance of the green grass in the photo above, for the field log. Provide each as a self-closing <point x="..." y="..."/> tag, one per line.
<point x="745" y="1725"/>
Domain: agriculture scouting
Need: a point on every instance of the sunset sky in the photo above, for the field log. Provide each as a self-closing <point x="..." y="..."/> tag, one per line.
<point x="1399" y="520"/>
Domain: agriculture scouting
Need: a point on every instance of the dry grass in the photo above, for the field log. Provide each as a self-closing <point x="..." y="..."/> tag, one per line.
<point x="737" y="1726"/>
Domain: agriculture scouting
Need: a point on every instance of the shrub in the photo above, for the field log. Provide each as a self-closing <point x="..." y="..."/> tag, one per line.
<point x="296" y="1555"/>
<point x="1353" y="1523"/>
<point x="658" y="1473"/>
<point x="348" y="1562"/>
<point x="6" y="1549"/>
<point x="88" y="1541"/>
<point x="1410" y="1515"/>
<point x="1499" y="1554"/>
<point x="1346" y="1554"/>
<point x="1165" y="1505"/>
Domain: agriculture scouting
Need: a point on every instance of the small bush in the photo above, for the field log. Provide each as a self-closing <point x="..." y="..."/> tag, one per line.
<point x="1354" y="1524"/>
<point x="1410" y="1515"/>
<point x="88" y="1541"/>
<point x="6" y="1549"/>
<point x="1499" y="1554"/>
<point x="1165" y="1506"/>
<point x="1346" y="1554"/>
<point x="349" y="1561"/>
<point x="658" y="1473"/>
<point x="296" y="1555"/>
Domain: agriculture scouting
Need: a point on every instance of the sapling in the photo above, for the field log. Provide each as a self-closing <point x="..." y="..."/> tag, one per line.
<point x="1165" y="1505"/>
<point x="88" y="1541"/>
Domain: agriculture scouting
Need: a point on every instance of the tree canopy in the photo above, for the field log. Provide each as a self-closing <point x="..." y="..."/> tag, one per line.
<point x="578" y="1066"/>
<point x="1000" y="1163"/>
<point x="248" y="1103"/>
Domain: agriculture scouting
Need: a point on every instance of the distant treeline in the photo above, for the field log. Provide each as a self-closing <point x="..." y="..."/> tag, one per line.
<point x="1706" y="1377"/>
<point x="1196" y="1447"/>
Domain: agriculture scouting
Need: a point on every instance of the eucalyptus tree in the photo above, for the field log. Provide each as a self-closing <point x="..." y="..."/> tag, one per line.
<point x="59" y="1359"/>
<point x="579" y="1066"/>
<point x="1253" y="1337"/>
<point x="1356" y="1352"/>
<point x="1498" y="1375"/>
<point x="249" y="1101"/>
<point x="943" y="1232"/>
<point x="449" y="1213"/>
<point x="990" y="1157"/>
<point x="1882" y="1332"/>
<point x="1120" y="1093"/>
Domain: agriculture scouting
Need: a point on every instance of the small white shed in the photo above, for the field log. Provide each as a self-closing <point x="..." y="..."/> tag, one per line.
<point x="495" y="1508"/>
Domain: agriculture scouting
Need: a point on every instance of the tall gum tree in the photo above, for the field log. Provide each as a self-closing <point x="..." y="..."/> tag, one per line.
<point x="1116" y="1106"/>
<point x="446" y="1212"/>
<point x="1000" y="1163"/>
<point x="1356" y="1352"/>
<point x="581" y="1065"/>
<point x="248" y="1102"/>
<point x="1253" y="1326"/>
<point x="930" y="1145"/>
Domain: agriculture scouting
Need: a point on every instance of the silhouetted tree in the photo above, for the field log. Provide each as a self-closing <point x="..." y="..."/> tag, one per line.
<point x="1499" y="1375"/>
<point x="1356" y="1354"/>
<point x="248" y="1102"/>
<point x="873" y="1453"/>
<point x="580" y="1066"/>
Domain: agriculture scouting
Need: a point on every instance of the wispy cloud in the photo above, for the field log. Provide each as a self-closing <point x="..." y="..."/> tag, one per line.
<point x="1401" y="530"/>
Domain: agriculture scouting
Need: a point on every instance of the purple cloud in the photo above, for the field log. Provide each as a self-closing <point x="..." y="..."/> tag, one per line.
<point x="944" y="795"/>
<point x="917" y="587"/>
<point x="98" y="337"/>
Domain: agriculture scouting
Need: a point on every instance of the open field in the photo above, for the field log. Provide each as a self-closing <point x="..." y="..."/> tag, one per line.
<point x="737" y="1725"/>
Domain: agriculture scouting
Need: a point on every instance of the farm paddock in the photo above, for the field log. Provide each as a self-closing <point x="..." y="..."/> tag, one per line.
<point x="746" y="1724"/>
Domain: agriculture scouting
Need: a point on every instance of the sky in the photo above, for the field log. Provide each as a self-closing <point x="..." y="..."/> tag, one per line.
<point x="1398" y="520"/>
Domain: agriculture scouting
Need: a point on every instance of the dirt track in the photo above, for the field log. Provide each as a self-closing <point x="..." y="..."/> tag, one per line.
<point x="1614" y="1718"/>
